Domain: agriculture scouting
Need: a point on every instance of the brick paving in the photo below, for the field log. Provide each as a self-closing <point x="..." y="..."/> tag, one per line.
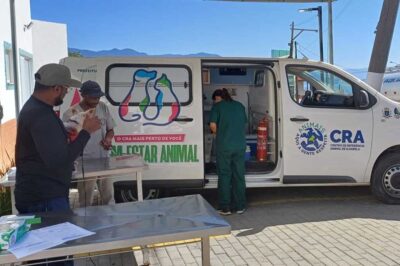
<point x="301" y="230"/>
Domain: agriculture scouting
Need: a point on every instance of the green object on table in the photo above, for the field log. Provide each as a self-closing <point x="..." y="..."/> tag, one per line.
<point x="13" y="228"/>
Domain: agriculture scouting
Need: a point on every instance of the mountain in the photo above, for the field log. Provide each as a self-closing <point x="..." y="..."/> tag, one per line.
<point x="130" y="52"/>
<point x="190" y="55"/>
<point x="360" y="73"/>
<point x="112" y="52"/>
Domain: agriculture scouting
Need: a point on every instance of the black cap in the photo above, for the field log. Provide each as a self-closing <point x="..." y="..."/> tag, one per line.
<point x="92" y="89"/>
<point x="217" y="93"/>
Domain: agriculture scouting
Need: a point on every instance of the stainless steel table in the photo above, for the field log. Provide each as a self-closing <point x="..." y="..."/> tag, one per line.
<point x="135" y="224"/>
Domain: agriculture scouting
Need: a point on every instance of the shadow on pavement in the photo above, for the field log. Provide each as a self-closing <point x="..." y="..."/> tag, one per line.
<point x="281" y="206"/>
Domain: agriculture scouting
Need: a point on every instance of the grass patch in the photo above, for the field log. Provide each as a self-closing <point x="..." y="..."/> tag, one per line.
<point x="5" y="201"/>
<point x="5" y="194"/>
<point x="8" y="132"/>
<point x="7" y="160"/>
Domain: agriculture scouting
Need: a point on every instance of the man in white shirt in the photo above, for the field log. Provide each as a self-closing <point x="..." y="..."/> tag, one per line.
<point x="99" y="144"/>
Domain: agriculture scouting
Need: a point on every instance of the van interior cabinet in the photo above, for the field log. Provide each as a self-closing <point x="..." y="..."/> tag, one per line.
<point x="254" y="87"/>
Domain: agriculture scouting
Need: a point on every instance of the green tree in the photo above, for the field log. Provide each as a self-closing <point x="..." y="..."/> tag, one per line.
<point x="74" y="54"/>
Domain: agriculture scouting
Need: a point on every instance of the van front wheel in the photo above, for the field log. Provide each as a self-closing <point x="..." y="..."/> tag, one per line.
<point x="385" y="181"/>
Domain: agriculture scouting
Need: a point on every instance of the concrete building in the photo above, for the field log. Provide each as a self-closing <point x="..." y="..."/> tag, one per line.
<point x="35" y="48"/>
<point x="48" y="50"/>
<point x="25" y="64"/>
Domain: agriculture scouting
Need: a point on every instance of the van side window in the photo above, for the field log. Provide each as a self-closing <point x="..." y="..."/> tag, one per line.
<point x="148" y="85"/>
<point x="309" y="86"/>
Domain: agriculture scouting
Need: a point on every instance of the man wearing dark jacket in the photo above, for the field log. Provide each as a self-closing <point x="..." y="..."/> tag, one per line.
<point x="44" y="157"/>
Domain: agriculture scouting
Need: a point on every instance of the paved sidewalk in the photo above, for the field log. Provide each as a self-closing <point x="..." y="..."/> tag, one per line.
<point x="318" y="230"/>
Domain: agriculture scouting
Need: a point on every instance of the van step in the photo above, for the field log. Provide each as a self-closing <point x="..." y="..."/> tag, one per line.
<point x="252" y="167"/>
<point x="212" y="182"/>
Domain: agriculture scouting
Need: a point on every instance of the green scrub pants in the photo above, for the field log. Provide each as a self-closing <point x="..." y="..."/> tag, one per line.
<point x="231" y="182"/>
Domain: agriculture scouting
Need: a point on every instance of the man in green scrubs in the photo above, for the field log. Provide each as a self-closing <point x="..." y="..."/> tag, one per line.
<point x="227" y="121"/>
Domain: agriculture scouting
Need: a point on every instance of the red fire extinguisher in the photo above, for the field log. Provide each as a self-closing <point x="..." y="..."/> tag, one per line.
<point x="262" y="137"/>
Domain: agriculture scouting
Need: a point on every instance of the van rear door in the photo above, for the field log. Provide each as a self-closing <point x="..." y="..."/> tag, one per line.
<point x="157" y="106"/>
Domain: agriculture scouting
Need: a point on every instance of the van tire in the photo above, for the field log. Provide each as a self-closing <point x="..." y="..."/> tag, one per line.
<point x="124" y="193"/>
<point x="385" y="181"/>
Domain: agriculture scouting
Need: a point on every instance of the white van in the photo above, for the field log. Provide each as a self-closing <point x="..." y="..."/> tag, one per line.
<point x="325" y="127"/>
<point x="391" y="86"/>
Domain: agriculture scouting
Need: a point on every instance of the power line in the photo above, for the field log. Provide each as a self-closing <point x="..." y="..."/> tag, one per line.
<point x="313" y="40"/>
<point x="304" y="48"/>
<point x="305" y="21"/>
<point x="343" y="9"/>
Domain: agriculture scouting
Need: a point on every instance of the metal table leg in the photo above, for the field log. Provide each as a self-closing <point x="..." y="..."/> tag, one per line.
<point x="145" y="250"/>
<point x="13" y="208"/>
<point x="139" y="186"/>
<point x="205" y="251"/>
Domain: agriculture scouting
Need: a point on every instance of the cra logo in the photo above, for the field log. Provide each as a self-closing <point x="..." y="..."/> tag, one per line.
<point x="311" y="138"/>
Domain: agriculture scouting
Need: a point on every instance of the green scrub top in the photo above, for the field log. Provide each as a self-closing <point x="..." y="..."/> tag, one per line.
<point x="230" y="117"/>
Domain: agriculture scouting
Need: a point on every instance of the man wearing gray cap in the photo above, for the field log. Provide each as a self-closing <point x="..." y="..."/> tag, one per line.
<point x="44" y="156"/>
<point x="99" y="143"/>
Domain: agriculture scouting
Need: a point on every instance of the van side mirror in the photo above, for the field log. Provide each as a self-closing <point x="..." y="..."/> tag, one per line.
<point x="363" y="100"/>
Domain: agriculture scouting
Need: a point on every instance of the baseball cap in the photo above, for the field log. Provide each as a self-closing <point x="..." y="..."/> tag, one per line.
<point x="55" y="74"/>
<point x="91" y="88"/>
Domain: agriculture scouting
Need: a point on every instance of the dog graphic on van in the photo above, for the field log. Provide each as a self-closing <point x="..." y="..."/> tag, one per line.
<point x="152" y="108"/>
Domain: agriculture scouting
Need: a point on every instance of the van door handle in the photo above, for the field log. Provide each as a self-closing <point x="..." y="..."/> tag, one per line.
<point x="183" y="119"/>
<point x="299" y="119"/>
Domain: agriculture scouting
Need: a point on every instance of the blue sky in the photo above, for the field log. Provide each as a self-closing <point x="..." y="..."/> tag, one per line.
<point x="224" y="28"/>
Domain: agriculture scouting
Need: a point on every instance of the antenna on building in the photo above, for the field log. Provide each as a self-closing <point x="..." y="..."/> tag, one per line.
<point x="28" y="26"/>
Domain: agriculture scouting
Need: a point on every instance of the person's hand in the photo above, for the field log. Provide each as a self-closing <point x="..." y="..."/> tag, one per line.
<point x="72" y="134"/>
<point x="91" y="112"/>
<point x="91" y="124"/>
<point x="106" y="143"/>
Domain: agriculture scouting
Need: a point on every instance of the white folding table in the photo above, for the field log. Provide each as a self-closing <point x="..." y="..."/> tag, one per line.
<point x="99" y="168"/>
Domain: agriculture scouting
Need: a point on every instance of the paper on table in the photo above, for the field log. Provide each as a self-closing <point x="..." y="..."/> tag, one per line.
<point x="31" y="244"/>
<point x="64" y="231"/>
<point x="47" y="237"/>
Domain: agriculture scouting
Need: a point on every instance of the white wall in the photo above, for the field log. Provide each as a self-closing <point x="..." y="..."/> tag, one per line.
<point x="24" y="42"/>
<point x="48" y="50"/>
<point x="34" y="47"/>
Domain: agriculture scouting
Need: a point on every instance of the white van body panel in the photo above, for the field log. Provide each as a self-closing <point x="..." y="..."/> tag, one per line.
<point x="386" y="129"/>
<point x="378" y="126"/>
<point x="334" y="157"/>
<point x="174" y="150"/>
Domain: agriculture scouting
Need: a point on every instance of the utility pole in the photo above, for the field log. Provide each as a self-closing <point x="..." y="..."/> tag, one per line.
<point x="291" y="40"/>
<point x="293" y="37"/>
<point x="383" y="40"/>
<point x="330" y="24"/>
<point x="15" y="56"/>
<point x="330" y="32"/>
<point x="321" y="41"/>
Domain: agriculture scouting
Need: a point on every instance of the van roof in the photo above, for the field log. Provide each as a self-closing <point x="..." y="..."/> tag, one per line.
<point x="203" y="59"/>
